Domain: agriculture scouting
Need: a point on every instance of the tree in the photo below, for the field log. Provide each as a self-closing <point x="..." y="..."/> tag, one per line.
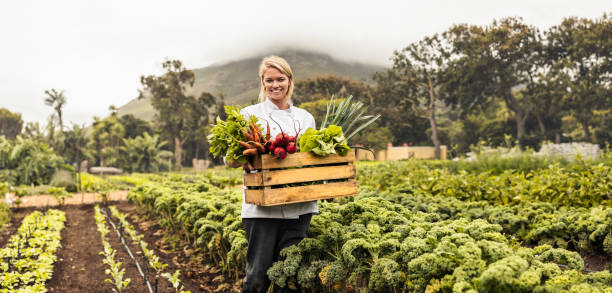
<point x="33" y="130"/>
<point x="76" y="141"/>
<point x="495" y="62"/>
<point x="220" y="107"/>
<point x="113" y="109"/>
<point x="545" y="96"/>
<point x="106" y="139"/>
<point x="145" y="153"/>
<point x="323" y="87"/>
<point x="603" y="133"/>
<point x="582" y="50"/>
<point x="169" y="98"/>
<point x="396" y="109"/>
<point x="32" y="162"/>
<point x="10" y="123"/>
<point x="421" y="66"/>
<point x="198" y="122"/>
<point x="57" y="101"/>
<point x="135" y="126"/>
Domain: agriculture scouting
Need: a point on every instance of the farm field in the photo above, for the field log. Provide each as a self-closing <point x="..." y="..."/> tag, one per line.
<point x="475" y="158"/>
<point x="414" y="227"/>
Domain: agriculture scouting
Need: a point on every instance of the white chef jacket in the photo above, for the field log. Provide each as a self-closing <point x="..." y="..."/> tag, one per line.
<point x="285" y="118"/>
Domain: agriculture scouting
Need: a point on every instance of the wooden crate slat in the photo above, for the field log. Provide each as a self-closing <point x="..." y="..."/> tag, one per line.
<point x="253" y="179"/>
<point x="299" y="159"/>
<point x="277" y="196"/>
<point x="254" y="196"/>
<point x="270" y="178"/>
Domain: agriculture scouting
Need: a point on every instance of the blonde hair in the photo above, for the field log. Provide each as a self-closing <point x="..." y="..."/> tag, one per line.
<point x="282" y="66"/>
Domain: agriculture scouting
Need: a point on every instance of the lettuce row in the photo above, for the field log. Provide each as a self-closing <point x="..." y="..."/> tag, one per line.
<point x="27" y="260"/>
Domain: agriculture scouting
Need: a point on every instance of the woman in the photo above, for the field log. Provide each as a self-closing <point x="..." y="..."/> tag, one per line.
<point x="270" y="229"/>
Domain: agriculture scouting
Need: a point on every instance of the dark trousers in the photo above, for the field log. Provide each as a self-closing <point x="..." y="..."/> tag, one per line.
<point x="266" y="238"/>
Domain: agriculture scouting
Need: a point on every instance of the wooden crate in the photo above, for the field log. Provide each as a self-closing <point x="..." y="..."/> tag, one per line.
<point x="266" y="187"/>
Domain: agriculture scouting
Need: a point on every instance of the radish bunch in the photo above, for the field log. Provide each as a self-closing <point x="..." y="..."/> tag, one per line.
<point x="258" y="143"/>
<point x="281" y="145"/>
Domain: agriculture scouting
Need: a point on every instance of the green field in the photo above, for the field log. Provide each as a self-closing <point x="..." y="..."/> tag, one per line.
<point x="417" y="228"/>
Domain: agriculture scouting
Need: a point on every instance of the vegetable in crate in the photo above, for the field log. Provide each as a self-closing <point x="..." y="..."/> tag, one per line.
<point x="228" y="137"/>
<point x="330" y="138"/>
<point x="346" y="114"/>
<point x="283" y="143"/>
<point x="324" y="142"/>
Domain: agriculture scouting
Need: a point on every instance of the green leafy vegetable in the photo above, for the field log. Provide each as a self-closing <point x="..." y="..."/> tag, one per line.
<point x="324" y="142"/>
<point x="346" y="114"/>
<point x="224" y="135"/>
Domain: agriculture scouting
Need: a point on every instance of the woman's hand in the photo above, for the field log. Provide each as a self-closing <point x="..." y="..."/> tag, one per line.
<point x="245" y="166"/>
<point x="233" y="164"/>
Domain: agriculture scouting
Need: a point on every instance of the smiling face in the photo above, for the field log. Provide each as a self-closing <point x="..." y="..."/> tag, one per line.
<point x="276" y="85"/>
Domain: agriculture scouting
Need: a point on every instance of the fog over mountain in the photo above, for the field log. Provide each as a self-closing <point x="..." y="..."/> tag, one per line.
<point x="97" y="50"/>
<point x="239" y="83"/>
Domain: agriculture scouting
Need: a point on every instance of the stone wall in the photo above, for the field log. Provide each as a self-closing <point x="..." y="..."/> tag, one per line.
<point x="394" y="153"/>
<point x="570" y="150"/>
<point x="200" y="165"/>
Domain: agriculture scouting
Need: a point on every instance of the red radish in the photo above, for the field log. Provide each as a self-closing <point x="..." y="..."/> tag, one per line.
<point x="291" y="139"/>
<point x="281" y="139"/>
<point x="291" y="148"/>
<point x="280" y="153"/>
<point x="270" y="146"/>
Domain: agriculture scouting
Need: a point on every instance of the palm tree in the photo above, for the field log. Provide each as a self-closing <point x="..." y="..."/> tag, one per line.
<point x="75" y="141"/>
<point x="145" y="153"/>
<point x="113" y="109"/>
<point x="56" y="100"/>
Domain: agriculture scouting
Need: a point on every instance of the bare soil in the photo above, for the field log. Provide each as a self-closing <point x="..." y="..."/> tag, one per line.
<point x="75" y="199"/>
<point x="80" y="267"/>
<point x="597" y="262"/>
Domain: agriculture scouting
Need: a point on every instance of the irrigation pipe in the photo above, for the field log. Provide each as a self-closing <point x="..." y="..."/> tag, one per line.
<point x="128" y="251"/>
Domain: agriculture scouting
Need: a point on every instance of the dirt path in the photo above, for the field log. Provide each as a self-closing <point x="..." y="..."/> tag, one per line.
<point x="76" y="199"/>
<point x="79" y="267"/>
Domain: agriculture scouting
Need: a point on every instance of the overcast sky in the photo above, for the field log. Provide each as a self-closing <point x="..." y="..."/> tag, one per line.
<point x="97" y="50"/>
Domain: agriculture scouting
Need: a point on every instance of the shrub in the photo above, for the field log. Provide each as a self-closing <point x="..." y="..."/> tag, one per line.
<point x="63" y="178"/>
<point x="27" y="161"/>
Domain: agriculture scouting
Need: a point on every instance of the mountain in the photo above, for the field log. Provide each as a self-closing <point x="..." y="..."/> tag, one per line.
<point x="238" y="80"/>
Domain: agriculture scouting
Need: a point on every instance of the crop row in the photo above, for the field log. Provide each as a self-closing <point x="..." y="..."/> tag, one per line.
<point x="375" y="244"/>
<point x="207" y="216"/>
<point x="114" y="270"/>
<point x="26" y="263"/>
<point x="149" y="254"/>
<point x="581" y="229"/>
<point x="371" y="243"/>
<point x="575" y="186"/>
